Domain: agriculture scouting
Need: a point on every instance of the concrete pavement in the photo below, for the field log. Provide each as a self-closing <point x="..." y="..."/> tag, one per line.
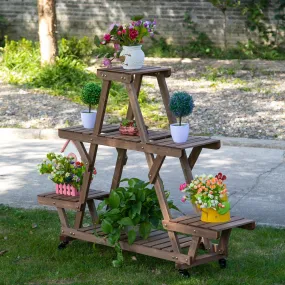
<point x="256" y="176"/>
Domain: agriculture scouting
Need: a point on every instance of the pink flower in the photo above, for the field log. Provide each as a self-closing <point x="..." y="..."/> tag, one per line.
<point x="182" y="186"/>
<point x="123" y="31"/>
<point x="133" y="34"/>
<point x="117" y="47"/>
<point x="107" y="37"/>
<point x="119" y="33"/>
<point x="183" y="199"/>
<point x="107" y="62"/>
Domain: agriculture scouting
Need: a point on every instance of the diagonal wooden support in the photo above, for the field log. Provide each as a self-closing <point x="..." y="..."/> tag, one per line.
<point x="83" y="153"/>
<point x="122" y="153"/>
<point x="155" y="168"/>
<point x="63" y="217"/>
<point x="194" y="155"/>
<point x="92" y="153"/>
<point x="121" y="161"/>
<point x="93" y="212"/>
<point x="187" y="171"/>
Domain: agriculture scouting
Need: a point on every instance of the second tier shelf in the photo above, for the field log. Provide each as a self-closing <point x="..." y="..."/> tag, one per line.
<point x="160" y="141"/>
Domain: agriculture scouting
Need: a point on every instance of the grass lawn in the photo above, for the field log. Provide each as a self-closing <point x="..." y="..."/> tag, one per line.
<point x="31" y="239"/>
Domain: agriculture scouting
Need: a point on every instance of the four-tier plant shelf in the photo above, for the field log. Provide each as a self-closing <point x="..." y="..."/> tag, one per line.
<point x="183" y="236"/>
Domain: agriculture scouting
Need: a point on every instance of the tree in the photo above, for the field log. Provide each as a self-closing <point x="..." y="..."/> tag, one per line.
<point x="47" y="26"/>
<point x="223" y="5"/>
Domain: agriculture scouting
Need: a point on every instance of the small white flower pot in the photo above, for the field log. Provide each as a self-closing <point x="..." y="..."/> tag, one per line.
<point x="179" y="133"/>
<point x="88" y="119"/>
<point x="134" y="57"/>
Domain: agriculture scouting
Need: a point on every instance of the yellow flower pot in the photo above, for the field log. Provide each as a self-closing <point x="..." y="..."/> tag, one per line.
<point x="212" y="216"/>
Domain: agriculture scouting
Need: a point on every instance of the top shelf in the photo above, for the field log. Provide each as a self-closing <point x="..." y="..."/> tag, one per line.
<point x="127" y="76"/>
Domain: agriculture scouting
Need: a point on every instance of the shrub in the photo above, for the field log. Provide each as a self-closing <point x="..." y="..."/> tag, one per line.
<point x="77" y="48"/>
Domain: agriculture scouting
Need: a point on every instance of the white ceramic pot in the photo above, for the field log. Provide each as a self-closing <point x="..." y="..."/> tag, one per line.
<point x="134" y="57"/>
<point x="179" y="133"/>
<point x="88" y="119"/>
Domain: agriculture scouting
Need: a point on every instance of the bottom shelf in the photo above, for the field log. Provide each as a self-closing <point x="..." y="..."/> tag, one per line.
<point x="157" y="245"/>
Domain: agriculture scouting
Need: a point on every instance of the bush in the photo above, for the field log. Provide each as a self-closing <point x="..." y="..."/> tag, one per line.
<point x="77" y="48"/>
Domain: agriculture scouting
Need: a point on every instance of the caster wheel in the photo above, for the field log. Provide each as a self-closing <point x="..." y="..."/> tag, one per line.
<point x="223" y="263"/>
<point x="184" y="273"/>
<point x="62" y="245"/>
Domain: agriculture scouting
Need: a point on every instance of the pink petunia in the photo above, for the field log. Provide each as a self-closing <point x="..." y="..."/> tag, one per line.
<point x="107" y="37"/>
<point x="182" y="186"/>
<point x="183" y="199"/>
<point x="107" y="62"/>
<point x="117" y="47"/>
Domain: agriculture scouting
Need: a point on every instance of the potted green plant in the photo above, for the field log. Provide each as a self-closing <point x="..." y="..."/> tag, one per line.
<point x="133" y="209"/>
<point x="128" y="127"/>
<point x="130" y="37"/>
<point x="90" y="96"/>
<point x="181" y="105"/>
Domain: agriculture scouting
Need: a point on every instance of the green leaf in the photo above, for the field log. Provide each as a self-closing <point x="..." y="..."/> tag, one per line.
<point x="141" y="195"/>
<point x="131" y="236"/>
<point x="145" y="229"/>
<point x="223" y="211"/>
<point x="101" y="205"/>
<point x="114" y="199"/>
<point x="106" y="227"/>
<point x="126" y="222"/>
<point x="97" y="41"/>
<point x="136" y="208"/>
<point x="137" y="17"/>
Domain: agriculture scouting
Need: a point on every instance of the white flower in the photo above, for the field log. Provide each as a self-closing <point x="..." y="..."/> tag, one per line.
<point x="67" y="174"/>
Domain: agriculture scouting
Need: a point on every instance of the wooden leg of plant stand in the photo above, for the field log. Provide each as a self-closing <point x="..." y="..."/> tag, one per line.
<point x="93" y="212"/>
<point x="208" y="246"/>
<point x="224" y="241"/>
<point x="92" y="153"/>
<point x="194" y="248"/>
<point x="187" y="171"/>
<point x="158" y="185"/>
<point x="121" y="162"/>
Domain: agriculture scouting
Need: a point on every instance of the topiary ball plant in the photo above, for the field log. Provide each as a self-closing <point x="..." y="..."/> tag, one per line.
<point x="90" y="94"/>
<point x="181" y="104"/>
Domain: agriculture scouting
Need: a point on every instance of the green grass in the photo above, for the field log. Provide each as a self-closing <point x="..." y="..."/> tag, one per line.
<point x="256" y="257"/>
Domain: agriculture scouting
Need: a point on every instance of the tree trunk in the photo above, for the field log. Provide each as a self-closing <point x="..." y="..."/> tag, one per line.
<point x="225" y="31"/>
<point x="47" y="26"/>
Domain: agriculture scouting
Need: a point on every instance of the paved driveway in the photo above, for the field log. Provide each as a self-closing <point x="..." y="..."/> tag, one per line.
<point x="256" y="176"/>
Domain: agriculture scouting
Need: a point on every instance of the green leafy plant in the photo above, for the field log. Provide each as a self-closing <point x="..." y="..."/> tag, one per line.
<point x="128" y="123"/>
<point x="90" y="94"/>
<point x="77" y="48"/>
<point x="181" y="104"/>
<point x="129" y="208"/>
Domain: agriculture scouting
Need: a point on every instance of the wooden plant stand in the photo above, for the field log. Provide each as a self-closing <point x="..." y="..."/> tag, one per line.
<point x="182" y="236"/>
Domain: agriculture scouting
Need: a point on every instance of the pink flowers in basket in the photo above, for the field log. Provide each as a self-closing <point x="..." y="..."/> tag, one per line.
<point x="64" y="172"/>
